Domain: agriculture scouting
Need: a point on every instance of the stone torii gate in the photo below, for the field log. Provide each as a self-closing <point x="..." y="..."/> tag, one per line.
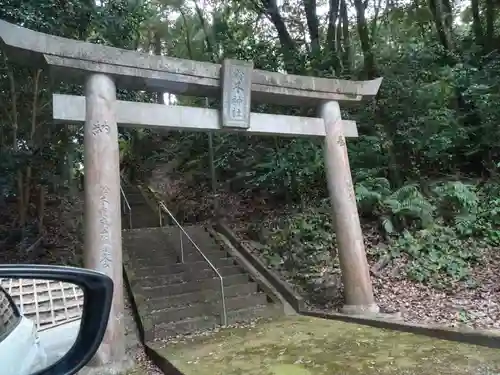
<point x="101" y="69"/>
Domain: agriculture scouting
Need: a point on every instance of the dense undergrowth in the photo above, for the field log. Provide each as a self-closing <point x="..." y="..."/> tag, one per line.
<point x="439" y="235"/>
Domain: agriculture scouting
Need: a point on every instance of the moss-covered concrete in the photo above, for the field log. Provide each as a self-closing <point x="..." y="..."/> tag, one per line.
<point x="136" y="371"/>
<point x="310" y="346"/>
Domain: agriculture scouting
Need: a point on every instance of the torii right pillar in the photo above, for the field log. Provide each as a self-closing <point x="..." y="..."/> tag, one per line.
<point x="358" y="291"/>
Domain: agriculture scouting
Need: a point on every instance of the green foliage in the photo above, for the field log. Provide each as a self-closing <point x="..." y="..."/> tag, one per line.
<point x="438" y="237"/>
<point x="441" y="234"/>
<point x="485" y="224"/>
<point x="403" y="208"/>
<point x="437" y="256"/>
<point x="35" y="154"/>
<point x="456" y="201"/>
<point x="301" y="245"/>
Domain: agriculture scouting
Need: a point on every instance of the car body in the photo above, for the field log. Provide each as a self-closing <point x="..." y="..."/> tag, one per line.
<point x="21" y="352"/>
<point x="56" y="341"/>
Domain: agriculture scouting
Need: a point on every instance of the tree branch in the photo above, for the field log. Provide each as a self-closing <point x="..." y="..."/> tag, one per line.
<point x="312" y="24"/>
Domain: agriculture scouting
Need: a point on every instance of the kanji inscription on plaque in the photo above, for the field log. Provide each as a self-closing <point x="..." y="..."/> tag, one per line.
<point x="236" y="93"/>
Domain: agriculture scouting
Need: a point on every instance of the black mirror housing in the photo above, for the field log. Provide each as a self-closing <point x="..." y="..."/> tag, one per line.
<point x="98" y="291"/>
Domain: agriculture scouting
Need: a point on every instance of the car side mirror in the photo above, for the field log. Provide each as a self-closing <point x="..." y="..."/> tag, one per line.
<point x="52" y="318"/>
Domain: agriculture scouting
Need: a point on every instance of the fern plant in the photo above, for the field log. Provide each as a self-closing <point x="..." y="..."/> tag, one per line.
<point x="408" y="207"/>
<point x="484" y="223"/>
<point x="397" y="210"/>
<point x="456" y="201"/>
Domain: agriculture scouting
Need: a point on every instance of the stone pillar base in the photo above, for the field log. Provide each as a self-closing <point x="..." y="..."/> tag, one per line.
<point x="371" y="309"/>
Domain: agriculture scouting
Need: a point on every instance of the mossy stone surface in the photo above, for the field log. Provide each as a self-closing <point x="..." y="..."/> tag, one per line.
<point x="137" y="371"/>
<point x="310" y="346"/>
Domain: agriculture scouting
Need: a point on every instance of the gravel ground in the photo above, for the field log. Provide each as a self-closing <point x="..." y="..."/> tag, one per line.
<point x="143" y="365"/>
<point x="475" y="308"/>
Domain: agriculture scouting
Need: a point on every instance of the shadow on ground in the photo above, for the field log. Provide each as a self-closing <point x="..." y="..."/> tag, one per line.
<point x="310" y="346"/>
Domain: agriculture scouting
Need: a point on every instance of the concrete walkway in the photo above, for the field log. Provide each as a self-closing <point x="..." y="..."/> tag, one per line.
<point x="311" y="346"/>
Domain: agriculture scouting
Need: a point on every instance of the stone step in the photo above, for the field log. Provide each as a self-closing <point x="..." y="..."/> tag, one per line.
<point x="140" y="211"/>
<point x="149" y="248"/>
<point x="168" y="257"/>
<point x="175" y="298"/>
<point x="191" y="286"/>
<point x="202" y="240"/>
<point x="213" y="308"/>
<point x="143" y="221"/>
<point x="134" y="198"/>
<point x="166" y="261"/>
<point x="195" y="256"/>
<point x="173" y="268"/>
<point x="206" y="246"/>
<point x="197" y="233"/>
<point x="126" y="221"/>
<point x="202" y="295"/>
<point x="130" y="188"/>
<point x="140" y="243"/>
<point x="182" y="277"/>
<point x="137" y="235"/>
<point x="136" y="247"/>
<point x="143" y="216"/>
<point x="164" y="330"/>
<point x="154" y="243"/>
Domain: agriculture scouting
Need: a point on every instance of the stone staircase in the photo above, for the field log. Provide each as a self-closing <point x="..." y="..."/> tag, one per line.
<point x="143" y="215"/>
<point x="175" y="298"/>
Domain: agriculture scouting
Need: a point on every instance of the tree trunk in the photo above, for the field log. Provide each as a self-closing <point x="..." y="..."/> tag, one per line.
<point x="158" y="50"/>
<point x="346" y="39"/>
<point x="188" y="36"/>
<point x="288" y="47"/>
<point x="313" y="28"/>
<point x="442" y="22"/>
<point x="332" y="48"/>
<point x="34" y="113"/>
<point x="366" y="43"/>
<point x="41" y="208"/>
<point x="210" y="43"/>
<point x="333" y="13"/>
<point x="490" y="25"/>
<point x="476" y="22"/>
<point x="15" y="145"/>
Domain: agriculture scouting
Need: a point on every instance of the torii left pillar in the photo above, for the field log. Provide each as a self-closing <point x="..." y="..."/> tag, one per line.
<point x="103" y="246"/>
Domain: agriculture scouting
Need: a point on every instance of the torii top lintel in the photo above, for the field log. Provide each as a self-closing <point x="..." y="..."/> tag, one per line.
<point x="72" y="60"/>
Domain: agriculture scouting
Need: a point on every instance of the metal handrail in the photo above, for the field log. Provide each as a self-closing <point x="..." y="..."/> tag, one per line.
<point x="128" y="206"/>
<point x="161" y="206"/>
